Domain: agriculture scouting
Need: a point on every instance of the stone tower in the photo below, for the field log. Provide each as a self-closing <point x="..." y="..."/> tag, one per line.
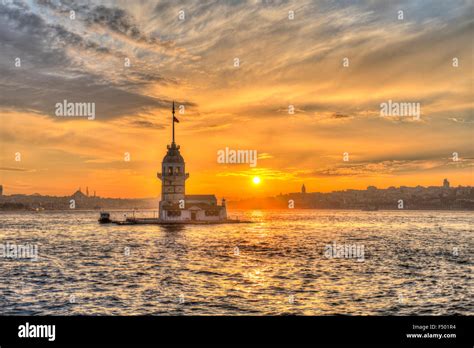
<point x="173" y="175"/>
<point x="303" y="189"/>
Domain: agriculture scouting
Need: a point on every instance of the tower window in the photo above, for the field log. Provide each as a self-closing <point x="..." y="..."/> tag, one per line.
<point x="177" y="170"/>
<point x="170" y="170"/>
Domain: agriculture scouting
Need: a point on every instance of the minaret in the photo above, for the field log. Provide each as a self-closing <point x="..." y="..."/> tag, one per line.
<point x="173" y="175"/>
<point x="303" y="189"/>
<point x="445" y="183"/>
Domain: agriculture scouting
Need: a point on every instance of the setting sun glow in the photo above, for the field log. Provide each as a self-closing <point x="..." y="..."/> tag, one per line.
<point x="256" y="180"/>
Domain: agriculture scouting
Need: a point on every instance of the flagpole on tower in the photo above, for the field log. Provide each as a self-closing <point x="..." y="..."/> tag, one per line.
<point x="173" y="121"/>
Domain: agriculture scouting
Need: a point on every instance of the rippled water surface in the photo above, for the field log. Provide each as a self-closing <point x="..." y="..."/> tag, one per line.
<point x="414" y="263"/>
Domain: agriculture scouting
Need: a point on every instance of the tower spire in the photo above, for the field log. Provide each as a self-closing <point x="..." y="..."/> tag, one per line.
<point x="173" y="122"/>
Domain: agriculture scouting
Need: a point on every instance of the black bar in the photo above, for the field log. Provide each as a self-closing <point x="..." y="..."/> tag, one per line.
<point x="287" y="330"/>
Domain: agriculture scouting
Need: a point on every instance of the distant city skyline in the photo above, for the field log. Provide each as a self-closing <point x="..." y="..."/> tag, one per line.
<point x="85" y="98"/>
<point x="441" y="197"/>
<point x="303" y="189"/>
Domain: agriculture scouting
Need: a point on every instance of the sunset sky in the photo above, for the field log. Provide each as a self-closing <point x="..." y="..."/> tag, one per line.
<point x="283" y="62"/>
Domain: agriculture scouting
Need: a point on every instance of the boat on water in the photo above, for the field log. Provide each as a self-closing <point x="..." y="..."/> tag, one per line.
<point x="105" y="219"/>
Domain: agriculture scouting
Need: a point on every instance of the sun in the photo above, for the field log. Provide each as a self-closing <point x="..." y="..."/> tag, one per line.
<point x="256" y="180"/>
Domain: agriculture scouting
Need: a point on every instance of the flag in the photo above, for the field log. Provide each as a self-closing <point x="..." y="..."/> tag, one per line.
<point x="175" y="119"/>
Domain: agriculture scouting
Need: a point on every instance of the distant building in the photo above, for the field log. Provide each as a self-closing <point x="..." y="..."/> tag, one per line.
<point x="445" y="183"/>
<point x="1" y="190"/>
<point x="303" y="189"/>
<point x="175" y="205"/>
<point x="78" y="195"/>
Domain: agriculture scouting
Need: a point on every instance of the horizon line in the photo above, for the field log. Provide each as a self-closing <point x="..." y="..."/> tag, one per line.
<point x="280" y="194"/>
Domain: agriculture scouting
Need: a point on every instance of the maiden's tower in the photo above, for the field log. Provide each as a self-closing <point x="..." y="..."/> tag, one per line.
<point x="175" y="205"/>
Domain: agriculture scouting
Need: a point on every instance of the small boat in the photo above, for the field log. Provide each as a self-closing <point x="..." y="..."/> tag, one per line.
<point x="104" y="218"/>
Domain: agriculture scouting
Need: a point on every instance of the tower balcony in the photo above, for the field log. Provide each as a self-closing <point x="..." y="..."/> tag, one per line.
<point x="167" y="175"/>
